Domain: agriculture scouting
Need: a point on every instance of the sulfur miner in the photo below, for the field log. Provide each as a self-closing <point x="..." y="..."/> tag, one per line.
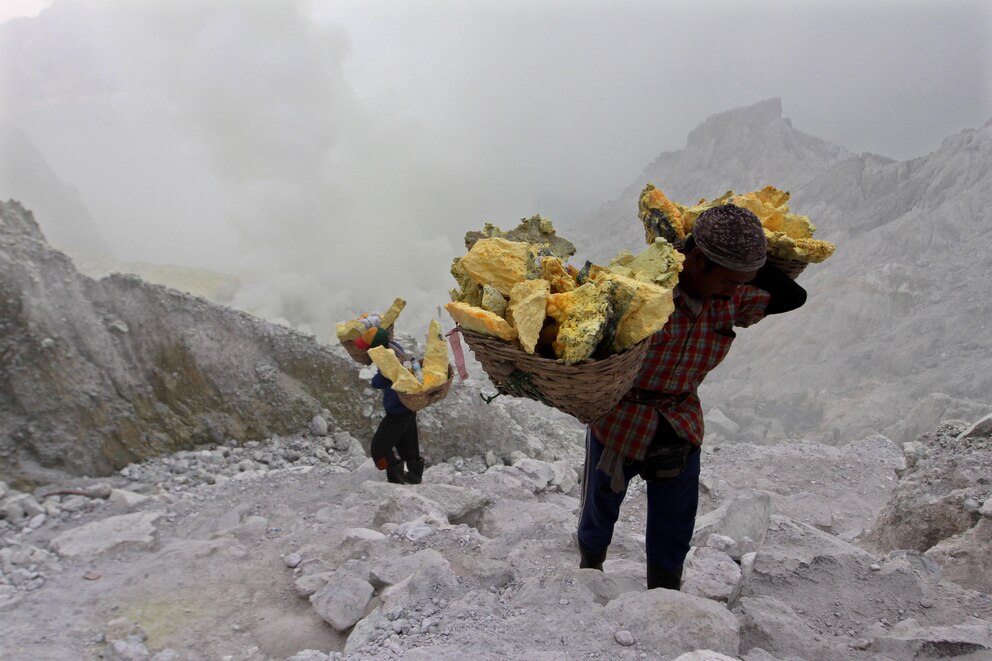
<point x="656" y="429"/>
<point x="396" y="442"/>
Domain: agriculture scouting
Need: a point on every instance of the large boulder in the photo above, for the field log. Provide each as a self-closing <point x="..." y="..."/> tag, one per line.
<point x="940" y="494"/>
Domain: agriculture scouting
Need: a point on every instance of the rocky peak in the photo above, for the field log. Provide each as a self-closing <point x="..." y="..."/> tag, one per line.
<point x="754" y="117"/>
<point x="18" y="224"/>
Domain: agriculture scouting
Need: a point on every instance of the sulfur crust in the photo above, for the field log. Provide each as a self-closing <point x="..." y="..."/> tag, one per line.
<point x="493" y="301"/>
<point x="469" y="291"/>
<point x="804" y="250"/>
<point x="581" y="315"/>
<point x="392" y="313"/>
<point x="498" y="262"/>
<point x="435" y="365"/>
<point x="659" y="263"/>
<point x="403" y="379"/>
<point x="649" y="309"/>
<point x="527" y="311"/>
<point x="653" y="207"/>
<point x="349" y="331"/>
<point x="480" y="321"/>
<point x="557" y="275"/>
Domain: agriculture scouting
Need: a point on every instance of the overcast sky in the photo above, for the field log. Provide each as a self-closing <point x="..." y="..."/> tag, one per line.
<point x="309" y="142"/>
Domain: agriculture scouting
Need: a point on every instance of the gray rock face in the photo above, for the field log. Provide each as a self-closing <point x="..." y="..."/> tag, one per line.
<point x="936" y="506"/>
<point x="80" y="396"/>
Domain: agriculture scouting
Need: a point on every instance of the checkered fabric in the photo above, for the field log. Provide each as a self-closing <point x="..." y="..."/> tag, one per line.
<point x="679" y="358"/>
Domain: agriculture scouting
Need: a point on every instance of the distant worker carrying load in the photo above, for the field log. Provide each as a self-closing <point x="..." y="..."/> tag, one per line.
<point x="406" y="385"/>
<point x="656" y="429"/>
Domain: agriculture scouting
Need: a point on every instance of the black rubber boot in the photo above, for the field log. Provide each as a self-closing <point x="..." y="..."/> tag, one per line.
<point x="661" y="578"/>
<point x="394" y="473"/>
<point x="589" y="560"/>
<point x="415" y="471"/>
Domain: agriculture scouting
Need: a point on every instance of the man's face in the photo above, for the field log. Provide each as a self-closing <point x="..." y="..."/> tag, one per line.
<point x="706" y="281"/>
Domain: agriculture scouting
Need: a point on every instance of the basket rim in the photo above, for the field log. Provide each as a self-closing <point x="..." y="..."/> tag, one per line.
<point x="586" y="390"/>
<point x="419" y="400"/>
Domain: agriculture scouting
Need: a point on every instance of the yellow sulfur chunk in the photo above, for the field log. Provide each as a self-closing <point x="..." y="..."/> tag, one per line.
<point x="403" y="379"/>
<point x="392" y="313"/>
<point x="435" y="356"/>
<point x="498" y="262"/>
<point x="773" y="197"/>
<point x="493" y="301"/>
<point x="659" y="263"/>
<point x="349" y="331"/>
<point x="581" y="315"/>
<point x="527" y="310"/>
<point x="768" y="204"/>
<point x="480" y="321"/>
<point x="804" y="250"/>
<point x="469" y="291"/>
<point x="557" y="275"/>
<point x="797" y="227"/>
<point x="646" y="314"/>
<point x="660" y="217"/>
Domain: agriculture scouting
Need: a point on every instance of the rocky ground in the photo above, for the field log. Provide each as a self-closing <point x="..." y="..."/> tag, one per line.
<point x="297" y="548"/>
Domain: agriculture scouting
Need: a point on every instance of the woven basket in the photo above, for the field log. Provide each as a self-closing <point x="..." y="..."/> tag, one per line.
<point x="417" y="401"/>
<point x="790" y="267"/>
<point x="586" y="390"/>
<point x="361" y="356"/>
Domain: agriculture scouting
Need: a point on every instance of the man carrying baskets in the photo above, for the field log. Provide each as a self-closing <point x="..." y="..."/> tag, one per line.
<point x="656" y="429"/>
<point x="397" y="432"/>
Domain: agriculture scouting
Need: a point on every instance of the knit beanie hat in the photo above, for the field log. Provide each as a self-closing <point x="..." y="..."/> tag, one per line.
<point x="381" y="338"/>
<point x="732" y="237"/>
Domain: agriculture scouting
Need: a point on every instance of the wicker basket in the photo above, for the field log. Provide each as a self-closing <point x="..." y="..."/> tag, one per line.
<point x="417" y="401"/>
<point x="586" y="390"/>
<point x="361" y="356"/>
<point x="790" y="267"/>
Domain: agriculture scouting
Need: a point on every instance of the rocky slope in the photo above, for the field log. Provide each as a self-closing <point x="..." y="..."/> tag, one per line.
<point x="892" y="339"/>
<point x="96" y="374"/>
<point x="296" y="548"/>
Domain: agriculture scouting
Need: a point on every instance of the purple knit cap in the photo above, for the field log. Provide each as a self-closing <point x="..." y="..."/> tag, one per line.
<point x="731" y="237"/>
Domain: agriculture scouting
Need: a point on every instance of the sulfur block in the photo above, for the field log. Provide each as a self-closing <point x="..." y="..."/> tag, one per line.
<point x="435" y="364"/>
<point x="582" y="316"/>
<point x="660" y="216"/>
<point x="560" y="279"/>
<point x="480" y="321"/>
<point x="646" y="313"/>
<point x="498" y="262"/>
<point x="403" y="379"/>
<point x="392" y="313"/>
<point x="349" y="331"/>
<point x="527" y="310"/>
<point x="660" y="263"/>
<point x="493" y="301"/>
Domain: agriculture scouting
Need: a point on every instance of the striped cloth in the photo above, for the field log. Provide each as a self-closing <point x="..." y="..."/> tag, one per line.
<point x="679" y="358"/>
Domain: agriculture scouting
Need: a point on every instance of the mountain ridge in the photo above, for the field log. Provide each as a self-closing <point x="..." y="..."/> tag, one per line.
<point x="891" y="316"/>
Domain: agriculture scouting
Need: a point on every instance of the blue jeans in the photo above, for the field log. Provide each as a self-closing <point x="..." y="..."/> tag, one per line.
<point x="671" y="508"/>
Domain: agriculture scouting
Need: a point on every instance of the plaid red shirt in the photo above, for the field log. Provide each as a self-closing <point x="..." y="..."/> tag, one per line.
<point x="679" y="358"/>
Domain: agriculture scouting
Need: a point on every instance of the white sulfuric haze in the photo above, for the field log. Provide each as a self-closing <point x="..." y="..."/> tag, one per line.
<point x="333" y="153"/>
